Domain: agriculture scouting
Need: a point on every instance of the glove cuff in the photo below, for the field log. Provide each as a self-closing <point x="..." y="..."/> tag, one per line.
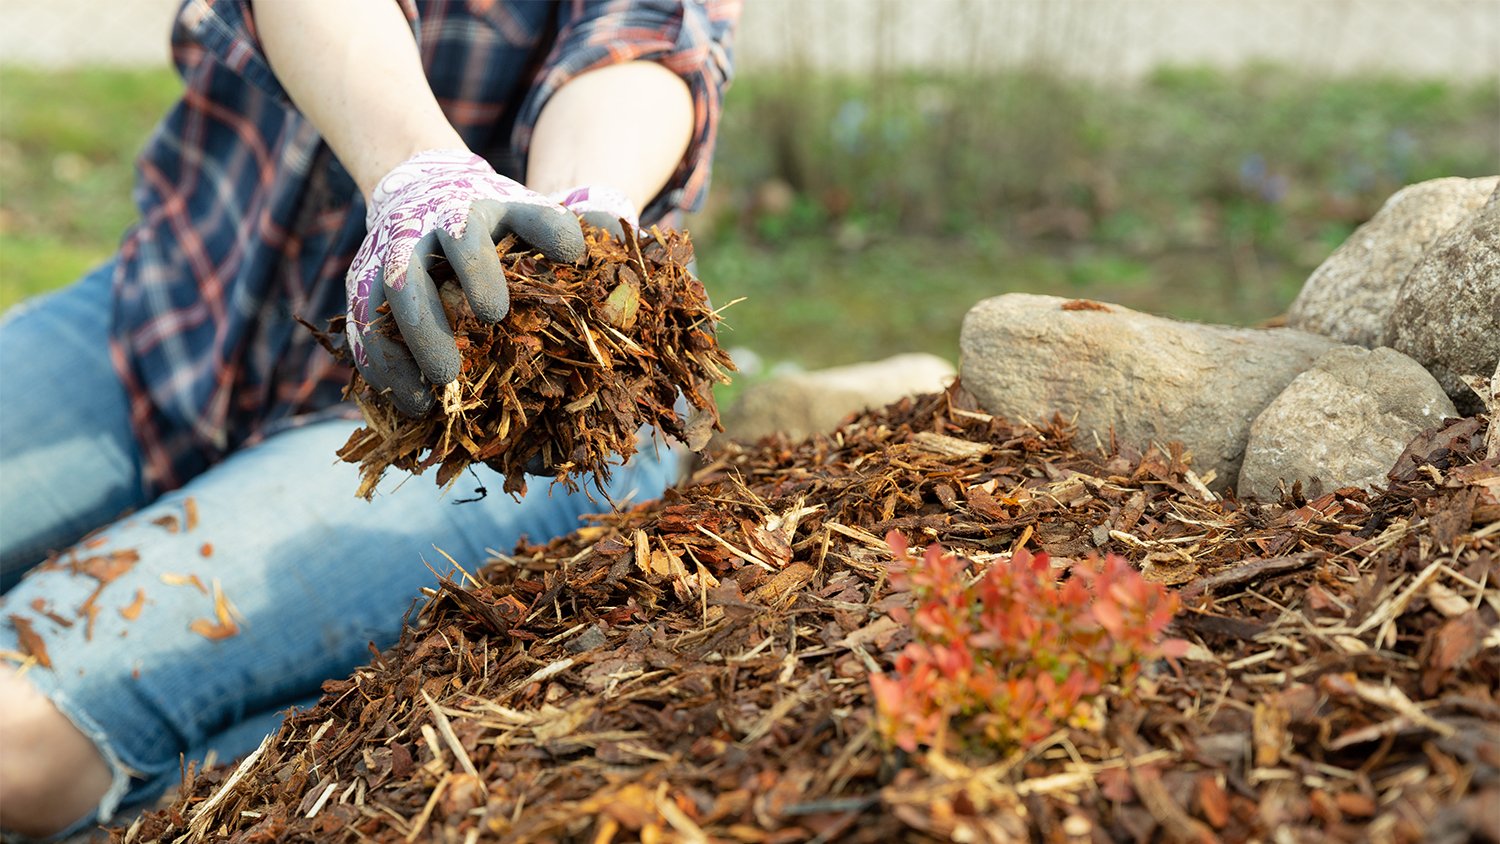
<point x="585" y="198"/>
<point x="423" y="166"/>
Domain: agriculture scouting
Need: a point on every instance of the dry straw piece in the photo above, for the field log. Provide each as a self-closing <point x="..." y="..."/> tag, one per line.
<point x="588" y="355"/>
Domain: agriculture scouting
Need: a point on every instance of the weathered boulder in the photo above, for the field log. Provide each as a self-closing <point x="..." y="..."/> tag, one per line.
<point x="803" y="403"/>
<point x="1147" y="378"/>
<point x="1341" y="423"/>
<point x="1350" y="296"/>
<point x="1447" y="314"/>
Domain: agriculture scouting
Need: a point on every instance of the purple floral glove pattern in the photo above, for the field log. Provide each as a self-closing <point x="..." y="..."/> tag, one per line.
<point x="600" y="206"/>
<point x="440" y="204"/>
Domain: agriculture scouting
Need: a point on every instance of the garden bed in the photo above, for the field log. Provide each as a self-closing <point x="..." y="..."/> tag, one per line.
<point x="698" y="668"/>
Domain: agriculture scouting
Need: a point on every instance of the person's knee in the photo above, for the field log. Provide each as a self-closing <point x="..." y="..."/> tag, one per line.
<point x="51" y="774"/>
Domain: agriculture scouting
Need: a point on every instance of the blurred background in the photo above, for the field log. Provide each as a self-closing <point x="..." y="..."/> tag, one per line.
<point x="884" y="165"/>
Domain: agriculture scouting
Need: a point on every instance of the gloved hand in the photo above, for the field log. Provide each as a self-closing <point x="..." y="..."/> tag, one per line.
<point x="440" y="204"/>
<point x="600" y="206"/>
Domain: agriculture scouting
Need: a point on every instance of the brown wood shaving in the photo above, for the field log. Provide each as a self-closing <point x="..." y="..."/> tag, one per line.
<point x="30" y="641"/>
<point x="133" y="611"/>
<point x="223" y="624"/>
<point x="174" y="579"/>
<point x="45" y="610"/>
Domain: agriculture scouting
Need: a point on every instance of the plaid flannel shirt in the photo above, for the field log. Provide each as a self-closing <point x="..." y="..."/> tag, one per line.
<point x="247" y="219"/>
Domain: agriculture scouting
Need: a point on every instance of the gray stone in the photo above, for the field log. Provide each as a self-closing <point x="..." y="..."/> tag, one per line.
<point x="1492" y="437"/>
<point x="593" y="637"/>
<point x="802" y="403"/>
<point x="1341" y="423"/>
<point x="1148" y="378"/>
<point x="1447" y="314"/>
<point x="1350" y="296"/>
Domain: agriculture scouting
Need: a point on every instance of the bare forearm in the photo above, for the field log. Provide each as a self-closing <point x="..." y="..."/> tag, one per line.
<point x="352" y="67"/>
<point x="626" y="126"/>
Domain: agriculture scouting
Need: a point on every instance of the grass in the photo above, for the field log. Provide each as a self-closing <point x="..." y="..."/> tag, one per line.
<point x="67" y="140"/>
<point x="814" y="302"/>
<point x="862" y="218"/>
<point x="859" y="218"/>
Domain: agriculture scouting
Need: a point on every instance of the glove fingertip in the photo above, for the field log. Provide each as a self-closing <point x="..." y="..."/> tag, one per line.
<point x="565" y="246"/>
<point x="537" y="466"/>
<point x="550" y="229"/>
<point x="391" y="371"/>
<point x="478" y="269"/>
<point x="605" y="220"/>
<point x="414" y="403"/>
<point x="440" y="362"/>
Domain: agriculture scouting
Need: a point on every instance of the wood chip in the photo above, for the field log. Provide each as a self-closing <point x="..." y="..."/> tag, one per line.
<point x="30" y="641"/>
<point x="133" y="610"/>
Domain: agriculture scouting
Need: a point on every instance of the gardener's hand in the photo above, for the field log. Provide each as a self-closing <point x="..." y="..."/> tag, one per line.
<point x="449" y="204"/>
<point x="600" y="206"/>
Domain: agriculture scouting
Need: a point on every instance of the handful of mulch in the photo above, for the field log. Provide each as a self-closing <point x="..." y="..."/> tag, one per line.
<point x="588" y="354"/>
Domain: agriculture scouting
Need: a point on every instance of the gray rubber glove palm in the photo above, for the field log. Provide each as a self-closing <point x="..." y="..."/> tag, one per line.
<point x="440" y="204"/>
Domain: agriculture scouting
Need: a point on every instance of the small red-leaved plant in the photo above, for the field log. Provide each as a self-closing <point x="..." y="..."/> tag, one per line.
<point x="1012" y="654"/>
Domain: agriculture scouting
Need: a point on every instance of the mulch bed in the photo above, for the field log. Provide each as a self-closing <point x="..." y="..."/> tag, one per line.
<point x="696" y="668"/>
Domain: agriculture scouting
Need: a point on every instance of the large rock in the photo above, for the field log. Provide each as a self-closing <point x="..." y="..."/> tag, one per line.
<point x="1351" y="295"/>
<point x="803" y="403"/>
<point x="1447" y="314"/>
<point x="1341" y="423"/>
<point x="1148" y="378"/>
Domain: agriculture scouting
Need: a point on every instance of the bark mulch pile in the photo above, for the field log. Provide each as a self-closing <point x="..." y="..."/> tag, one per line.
<point x="587" y="355"/>
<point x="697" y="668"/>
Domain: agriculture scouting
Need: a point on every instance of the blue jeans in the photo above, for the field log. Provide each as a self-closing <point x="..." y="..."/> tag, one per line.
<point x="310" y="574"/>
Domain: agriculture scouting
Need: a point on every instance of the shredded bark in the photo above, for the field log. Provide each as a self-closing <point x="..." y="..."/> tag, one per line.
<point x="697" y="668"/>
<point x="588" y="355"/>
<point x="32" y="644"/>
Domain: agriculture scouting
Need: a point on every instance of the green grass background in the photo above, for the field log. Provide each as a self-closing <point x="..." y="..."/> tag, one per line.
<point x="861" y="217"/>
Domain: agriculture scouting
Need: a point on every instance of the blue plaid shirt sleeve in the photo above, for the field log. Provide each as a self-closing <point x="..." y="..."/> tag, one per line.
<point x="691" y="38"/>
<point x="226" y="30"/>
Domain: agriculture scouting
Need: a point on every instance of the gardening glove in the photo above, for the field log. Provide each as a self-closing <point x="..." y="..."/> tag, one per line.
<point x="600" y="206"/>
<point x="449" y="204"/>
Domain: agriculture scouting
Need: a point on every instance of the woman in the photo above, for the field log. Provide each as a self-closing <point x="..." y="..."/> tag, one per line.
<point x="314" y="143"/>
